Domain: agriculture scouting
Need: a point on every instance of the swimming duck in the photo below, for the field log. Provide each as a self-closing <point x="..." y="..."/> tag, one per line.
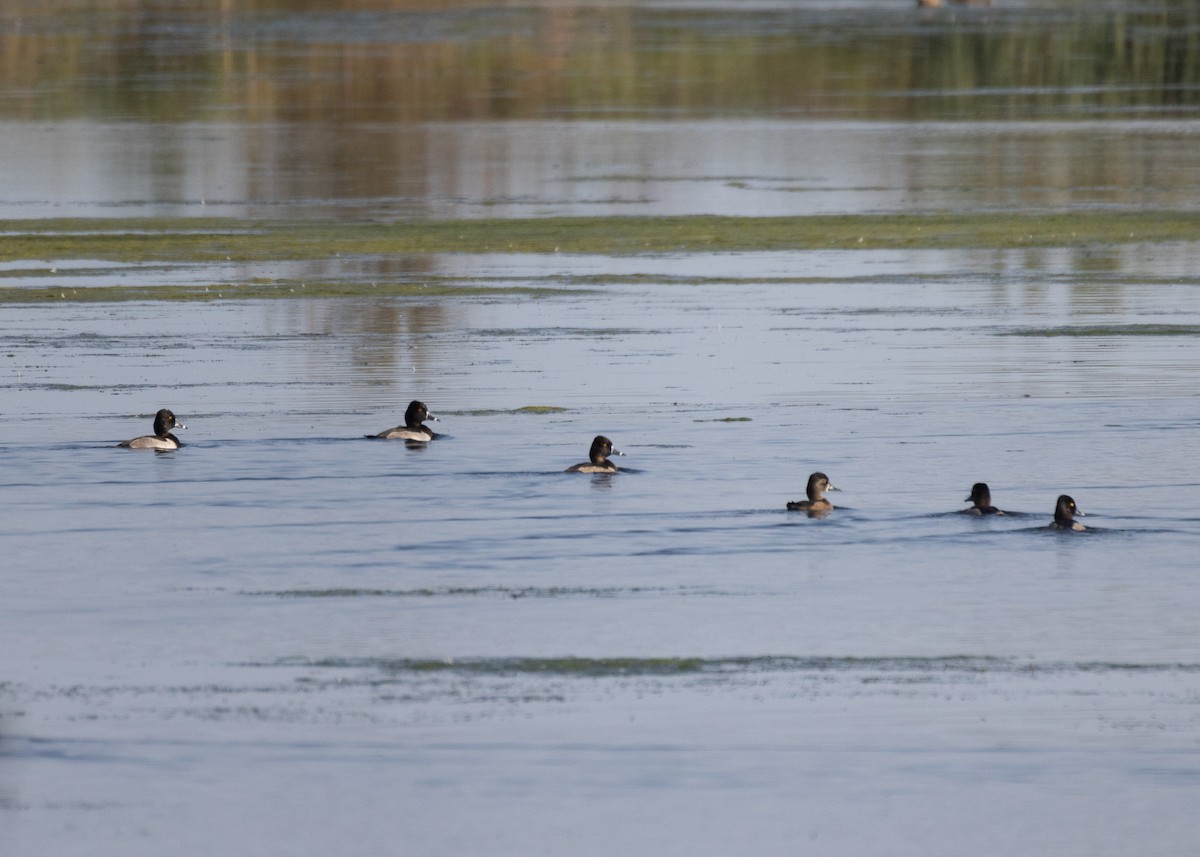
<point x="413" y="428"/>
<point x="1064" y="515"/>
<point x="818" y="484"/>
<point x="981" y="496"/>
<point x="162" y="438"/>
<point x="598" y="455"/>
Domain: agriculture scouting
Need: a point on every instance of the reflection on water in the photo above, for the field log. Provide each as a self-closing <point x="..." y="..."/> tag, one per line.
<point x="503" y="169"/>
<point x="462" y="109"/>
<point x="365" y="61"/>
<point x="384" y="344"/>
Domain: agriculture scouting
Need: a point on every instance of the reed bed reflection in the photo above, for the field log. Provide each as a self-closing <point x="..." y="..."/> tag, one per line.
<point x="449" y="61"/>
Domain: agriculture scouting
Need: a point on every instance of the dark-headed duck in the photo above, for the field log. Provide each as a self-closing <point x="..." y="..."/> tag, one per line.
<point x="1065" y="511"/>
<point x="162" y="438"/>
<point x="816" y="504"/>
<point x="598" y="455"/>
<point x="413" y="428"/>
<point x="981" y="498"/>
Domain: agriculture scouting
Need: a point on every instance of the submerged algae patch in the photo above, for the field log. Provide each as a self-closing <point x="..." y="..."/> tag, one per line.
<point x="495" y="412"/>
<point x="1089" y="330"/>
<point x="411" y="247"/>
<point x="660" y="666"/>
<point x="540" y="409"/>
<point x="513" y="592"/>
<point x="430" y="288"/>
<point x="227" y="240"/>
<point x="509" y="666"/>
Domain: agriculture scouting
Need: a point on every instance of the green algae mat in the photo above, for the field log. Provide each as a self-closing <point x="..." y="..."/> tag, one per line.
<point x="37" y="250"/>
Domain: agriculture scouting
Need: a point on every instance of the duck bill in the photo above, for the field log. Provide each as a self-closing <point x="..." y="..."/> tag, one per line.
<point x="616" y="452"/>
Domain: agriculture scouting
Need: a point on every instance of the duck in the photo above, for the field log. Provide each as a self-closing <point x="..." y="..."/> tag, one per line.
<point x="816" y="504"/>
<point x="1065" y="511"/>
<point x="414" y="428"/>
<point x="598" y="455"/>
<point x="162" y="438"/>
<point x="981" y="497"/>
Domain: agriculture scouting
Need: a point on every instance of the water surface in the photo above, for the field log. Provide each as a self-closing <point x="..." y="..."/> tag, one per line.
<point x="284" y="638"/>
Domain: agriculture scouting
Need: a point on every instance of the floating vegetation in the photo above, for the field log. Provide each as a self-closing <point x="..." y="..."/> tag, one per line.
<point x="626" y="666"/>
<point x="540" y="409"/>
<point x="495" y="412"/>
<point x="655" y="666"/>
<point x="429" y="289"/>
<point x="185" y="240"/>
<point x="28" y="245"/>
<point x="1087" y="330"/>
<point x="512" y="666"/>
<point x="449" y="591"/>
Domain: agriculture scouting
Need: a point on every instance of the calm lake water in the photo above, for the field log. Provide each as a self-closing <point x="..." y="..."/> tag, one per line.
<point x="287" y="639"/>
